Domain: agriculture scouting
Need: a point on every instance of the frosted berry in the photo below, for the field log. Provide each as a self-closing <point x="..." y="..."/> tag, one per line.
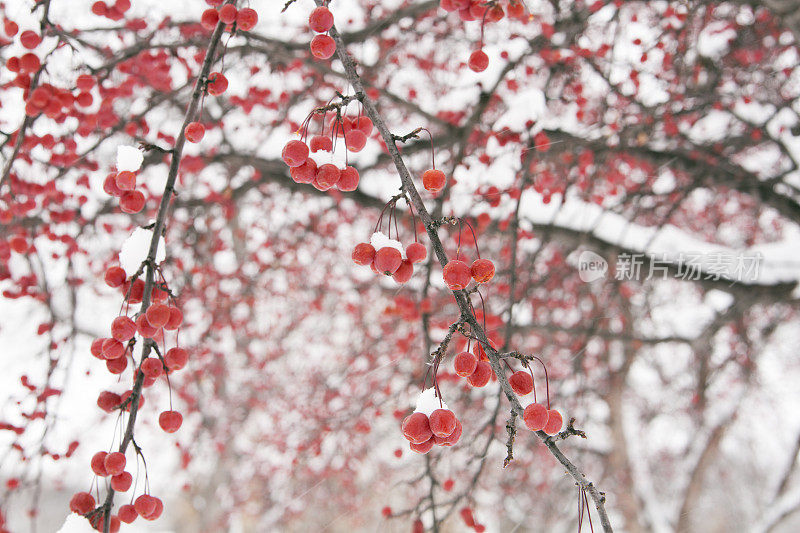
<point x="175" y="319"/>
<point x="321" y="143"/>
<point x="144" y="327"/>
<point x="416" y="252"/>
<point x="108" y="401"/>
<point x="114" y="463"/>
<point x="535" y="416"/>
<point x="452" y="438"/>
<point x="363" y="253"/>
<point x="127" y="513"/>
<point x="145" y="505"/>
<point x="115" y="276"/>
<point x="320" y="20"/>
<point x="123" y="328"/>
<point x="195" y="132"/>
<point x="152" y="367"/>
<point x="113" y="349"/>
<point x="464" y="364"/>
<point x="355" y="140"/>
<point x="246" y="19"/>
<point x="157" y="315"/>
<point x="122" y="482"/>
<point x="482" y="374"/>
<point x="170" y="421"/>
<point x="157" y="510"/>
<point x="131" y="202"/>
<point x="416" y="428"/>
<point x="521" y="382"/>
<point x="209" y="19"/>
<point x="456" y="275"/>
<point x="176" y="358"/>
<point x="81" y="503"/>
<point x="482" y="270"/>
<point x="403" y="272"/>
<point x="323" y="47"/>
<point x="125" y="180"/>
<point x="348" y="181"/>
<point x="423" y="447"/>
<point x="478" y="61"/>
<point x="442" y="422"/>
<point x="98" y="464"/>
<point x="295" y="153"/>
<point x="433" y="180"/>
<point x="554" y="422"/>
<point x="305" y="173"/>
<point x="217" y="83"/>
<point x="364" y="124"/>
<point x="227" y="14"/>
<point x="388" y="259"/>
<point x="328" y="175"/>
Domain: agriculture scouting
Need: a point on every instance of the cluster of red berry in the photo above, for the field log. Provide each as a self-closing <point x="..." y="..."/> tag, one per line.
<point x="245" y="18"/>
<point x="473" y="366"/>
<point x="442" y="427"/>
<point x="388" y="259"/>
<point x="470" y="10"/>
<point x="27" y="63"/>
<point x="321" y="21"/>
<point x="115" y="11"/>
<point x="122" y="185"/>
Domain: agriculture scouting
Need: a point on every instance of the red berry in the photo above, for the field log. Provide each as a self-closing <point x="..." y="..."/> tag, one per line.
<point x="170" y="421"/>
<point x="452" y="438"/>
<point x="456" y="275"/>
<point x="355" y="140"/>
<point x="403" y="272"/>
<point x="416" y="428"/>
<point x="322" y="47"/>
<point x="110" y="186"/>
<point x="175" y="319"/>
<point x="99" y="464"/>
<point x="535" y="416"/>
<point x="125" y="180"/>
<point x="422" y="447"/>
<point x="246" y="19"/>
<point x="464" y="364"/>
<point x="85" y="82"/>
<point x="386" y="512"/>
<point x="320" y="20"/>
<point x="217" y="83"/>
<point x="117" y="366"/>
<point x="305" y="173"/>
<point x="442" y="422"/>
<point x="29" y="39"/>
<point x="145" y="504"/>
<point x="131" y="202"/>
<point x="96" y="348"/>
<point x="108" y="401"/>
<point x="321" y="143"/>
<point x="364" y="124"/>
<point x="227" y="13"/>
<point x="115" y="276"/>
<point x="295" y="153"/>
<point x="516" y="10"/>
<point x="29" y="63"/>
<point x="19" y="244"/>
<point x="127" y="513"/>
<point x="482" y="374"/>
<point x="176" y="358"/>
<point x="157" y="510"/>
<point x="144" y="327"/>
<point x="209" y="19"/>
<point x="122" y="482"/>
<point x="115" y="463"/>
<point x="348" y="181"/>
<point x="363" y="254"/>
<point x="328" y="175"/>
<point x="195" y="132"/>
<point x="158" y="315"/>
<point x="123" y="328"/>
<point x="152" y="367"/>
<point x="554" y="422"/>
<point x="433" y="180"/>
<point x="388" y="259"/>
<point x="482" y="270"/>
<point x="416" y="252"/>
<point x="478" y="61"/>
<point x="113" y="349"/>
<point x="10" y="27"/>
<point x="521" y="382"/>
<point x="81" y="503"/>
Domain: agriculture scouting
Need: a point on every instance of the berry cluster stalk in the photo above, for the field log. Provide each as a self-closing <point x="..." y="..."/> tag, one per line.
<point x="158" y="228"/>
<point x="460" y="296"/>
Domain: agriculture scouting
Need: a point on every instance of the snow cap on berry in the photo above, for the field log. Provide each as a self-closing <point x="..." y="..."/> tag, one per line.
<point x="135" y="248"/>
<point x="427" y="402"/>
<point x="380" y="240"/>
<point x="129" y="158"/>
